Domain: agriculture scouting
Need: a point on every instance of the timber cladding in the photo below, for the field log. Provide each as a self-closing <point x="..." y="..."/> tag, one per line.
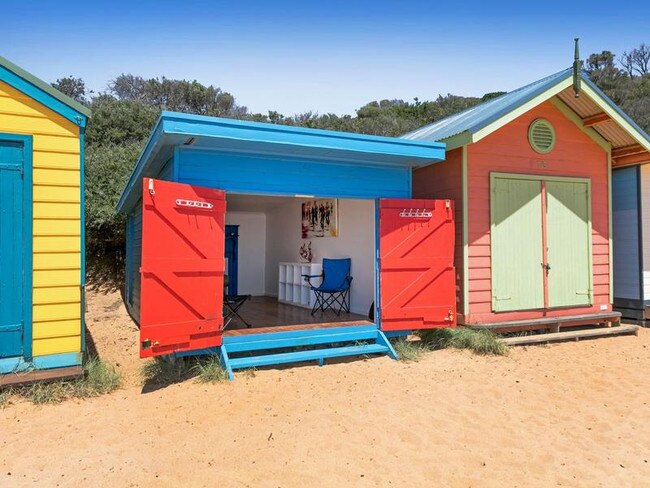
<point x="507" y="150"/>
<point x="56" y="224"/>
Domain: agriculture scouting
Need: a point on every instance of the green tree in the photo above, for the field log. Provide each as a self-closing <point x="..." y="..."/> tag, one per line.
<point x="75" y="88"/>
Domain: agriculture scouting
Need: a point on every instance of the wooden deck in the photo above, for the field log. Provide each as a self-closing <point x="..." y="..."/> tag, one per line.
<point x="266" y="314"/>
<point x="553" y="324"/>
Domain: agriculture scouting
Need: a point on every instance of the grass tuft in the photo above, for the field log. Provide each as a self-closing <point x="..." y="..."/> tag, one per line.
<point x="98" y="379"/>
<point x="163" y="370"/>
<point x="476" y="340"/>
<point x="166" y="371"/>
<point x="209" y="369"/>
<point x="409" y="350"/>
<point x="5" y="397"/>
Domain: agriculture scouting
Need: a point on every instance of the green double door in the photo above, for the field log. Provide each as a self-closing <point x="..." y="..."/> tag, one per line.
<point x="540" y="242"/>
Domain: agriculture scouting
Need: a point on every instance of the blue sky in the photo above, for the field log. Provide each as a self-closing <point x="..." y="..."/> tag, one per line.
<point x="322" y="56"/>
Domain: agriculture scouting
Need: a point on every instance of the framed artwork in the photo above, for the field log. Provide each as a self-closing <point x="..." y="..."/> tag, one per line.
<point x="320" y="218"/>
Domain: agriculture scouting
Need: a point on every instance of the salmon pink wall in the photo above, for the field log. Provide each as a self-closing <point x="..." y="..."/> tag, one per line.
<point x="444" y="181"/>
<point x="507" y="150"/>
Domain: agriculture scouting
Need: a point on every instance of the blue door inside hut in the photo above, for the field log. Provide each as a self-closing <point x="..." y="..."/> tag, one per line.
<point x="232" y="237"/>
<point x="248" y="158"/>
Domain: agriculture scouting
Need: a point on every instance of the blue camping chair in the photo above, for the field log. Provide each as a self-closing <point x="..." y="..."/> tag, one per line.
<point x="334" y="290"/>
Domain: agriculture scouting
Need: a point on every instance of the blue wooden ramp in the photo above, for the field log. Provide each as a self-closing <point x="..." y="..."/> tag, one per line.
<point x="254" y="350"/>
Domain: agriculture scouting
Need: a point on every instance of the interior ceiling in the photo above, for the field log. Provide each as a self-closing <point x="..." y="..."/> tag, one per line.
<point x="625" y="149"/>
<point x="254" y="203"/>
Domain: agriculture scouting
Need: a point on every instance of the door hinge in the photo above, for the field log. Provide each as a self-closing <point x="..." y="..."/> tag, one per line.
<point x="588" y="293"/>
<point x="501" y="298"/>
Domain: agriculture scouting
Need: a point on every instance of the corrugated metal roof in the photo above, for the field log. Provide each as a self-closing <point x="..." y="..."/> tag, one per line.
<point x="479" y="116"/>
<point x="476" y="118"/>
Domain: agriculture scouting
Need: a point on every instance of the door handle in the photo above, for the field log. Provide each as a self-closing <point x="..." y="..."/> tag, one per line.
<point x="547" y="267"/>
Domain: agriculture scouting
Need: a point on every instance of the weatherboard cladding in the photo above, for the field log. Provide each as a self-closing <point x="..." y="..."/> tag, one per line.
<point x="57" y="212"/>
<point x="283" y="154"/>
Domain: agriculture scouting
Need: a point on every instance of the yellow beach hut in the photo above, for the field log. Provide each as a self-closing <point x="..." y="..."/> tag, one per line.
<point x="41" y="227"/>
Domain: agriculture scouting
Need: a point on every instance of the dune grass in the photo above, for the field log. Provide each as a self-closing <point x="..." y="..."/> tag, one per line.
<point x="479" y="341"/>
<point x="166" y="371"/>
<point x="409" y="350"/>
<point x="209" y="370"/>
<point x="98" y="379"/>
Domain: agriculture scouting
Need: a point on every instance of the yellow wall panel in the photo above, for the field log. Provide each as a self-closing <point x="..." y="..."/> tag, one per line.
<point x="57" y="177"/>
<point x="59" y="328"/>
<point x="35" y="125"/>
<point x="63" y="294"/>
<point x="49" y="210"/>
<point x="55" y="143"/>
<point x="57" y="227"/>
<point x="9" y="105"/>
<point x="68" y="260"/>
<point x="57" y="277"/>
<point x="56" y="194"/>
<point x="58" y="345"/>
<point x="46" y="159"/>
<point x="57" y="244"/>
<point x="32" y="107"/>
<point x="56" y="311"/>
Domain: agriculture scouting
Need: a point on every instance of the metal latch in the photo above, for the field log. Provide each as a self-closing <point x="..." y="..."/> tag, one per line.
<point x="148" y="344"/>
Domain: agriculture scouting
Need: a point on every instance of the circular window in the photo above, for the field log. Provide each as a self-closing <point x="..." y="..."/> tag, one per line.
<point x="541" y="136"/>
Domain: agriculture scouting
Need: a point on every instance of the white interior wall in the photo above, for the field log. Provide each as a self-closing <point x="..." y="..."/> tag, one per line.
<point x="356" y="240"/>
<point x="252" y="251"/>
<point x="645" y="228"/>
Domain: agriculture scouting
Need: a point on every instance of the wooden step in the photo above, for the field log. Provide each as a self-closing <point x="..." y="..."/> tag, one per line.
<point x="552" y="323"/>
<point x="573" y="335"/>
<point x="312" y="355"/>
<point x="300" y="338"/>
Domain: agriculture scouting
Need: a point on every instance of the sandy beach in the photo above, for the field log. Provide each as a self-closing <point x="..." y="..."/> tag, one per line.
<point x="570" y="414"/>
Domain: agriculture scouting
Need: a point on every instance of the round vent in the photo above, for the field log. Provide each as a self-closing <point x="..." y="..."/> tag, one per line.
<point x="541" y="136"/>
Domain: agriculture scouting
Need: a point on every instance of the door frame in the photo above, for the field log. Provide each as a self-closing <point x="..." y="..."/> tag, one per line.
<point x="27" y="244"/>
<point x="542" y="179"/>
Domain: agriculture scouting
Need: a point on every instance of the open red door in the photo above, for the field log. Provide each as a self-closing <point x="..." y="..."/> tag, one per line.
<point x="416" y="265"/>
<point x="181" y="301"/>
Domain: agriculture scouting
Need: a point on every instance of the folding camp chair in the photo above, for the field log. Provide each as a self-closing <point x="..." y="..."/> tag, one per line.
<point x="231" y="306"/>
<point x="334" y="291"/>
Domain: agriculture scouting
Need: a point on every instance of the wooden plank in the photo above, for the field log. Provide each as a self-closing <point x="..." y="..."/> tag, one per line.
<point x="571" y="335"/>
<point x="596" y="119"/>
<point x="57" y="374"/>
<point x="547" y="322"/>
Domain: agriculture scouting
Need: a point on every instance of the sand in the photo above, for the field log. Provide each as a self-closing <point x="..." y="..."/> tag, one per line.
<point x="571" y="414"/>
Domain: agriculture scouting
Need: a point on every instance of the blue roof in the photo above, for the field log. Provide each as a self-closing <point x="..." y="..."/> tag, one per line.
<point x="175" y="129"/>
<point x="475" y="118"/>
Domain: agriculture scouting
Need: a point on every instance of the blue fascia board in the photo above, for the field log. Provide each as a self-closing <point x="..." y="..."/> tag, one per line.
<point x="401" y="152"/>
<point x="42" y="97"/>
<point x="198" y="126"/>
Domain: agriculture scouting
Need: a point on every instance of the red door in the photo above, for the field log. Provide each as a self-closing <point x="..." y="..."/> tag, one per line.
<point x="416" y="264"/>
<point x="182" y="267"/>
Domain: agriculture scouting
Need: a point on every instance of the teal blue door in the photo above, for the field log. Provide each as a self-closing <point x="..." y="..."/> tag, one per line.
<point x="12" y="278"/>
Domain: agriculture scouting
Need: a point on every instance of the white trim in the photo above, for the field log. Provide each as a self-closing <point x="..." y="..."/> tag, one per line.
<point x="522" y="109"/>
